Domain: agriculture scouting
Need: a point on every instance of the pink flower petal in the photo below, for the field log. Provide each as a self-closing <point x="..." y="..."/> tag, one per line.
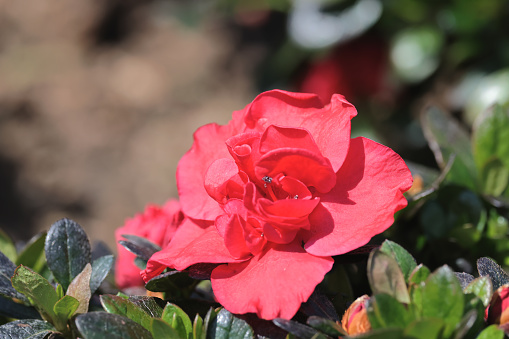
<point x="273" y="284"/>
<point x="329" y="125"/>
<point x="369" y="190"/>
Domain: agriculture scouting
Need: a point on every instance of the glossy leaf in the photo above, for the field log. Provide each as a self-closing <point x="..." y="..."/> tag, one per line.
<point x="79" y="288"/>
<point x="26" y="328"/>
<point x="447" y="138"/>
<point x="100" y="325"/>
<point x="11" y="309"/>
<point x="385" y="311"/>
<point x="491" y="332"/>
<point x="7" y="269"/>
<point x="209" y="319"/>
<point x="326" y="326"/>
<point x="32" y="254"/>
<point x="295" y="328"/>
<point x="170" y="282"/>
<point x="178" y="319"/>
<point x="162" y="330"/>
<point x="425" y="328"/>
<point x="100" y="269"/>
<point x="141" y="247"/>
<point x="67" y="250"/>
<point x="385" y="276"/>
<point x="38" y="290"/>
<point x="64" y="309"/>
<point x="197" y="327"/>
<point x="404" y="259"/>
<point x="442" y="297"/>
<point x="488" y="267"/>
<point x="319" y="305"/>
<point x="482" y="288"/>
<point x="419" y="274"/>
<point x="147" y="304"/>
<point x="121" y="306"/>
<point x="7" y="247"/>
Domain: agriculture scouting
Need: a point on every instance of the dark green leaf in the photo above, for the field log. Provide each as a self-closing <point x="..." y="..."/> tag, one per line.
<point x="385" y="311"/>
<point x="404" y="259"/>
<point x="121" y="306"/>
<point x="100" y="269"/>
<point x="319" y="305"/>
<point x="161" y="330"/>
<point x="148" y="304"/>
<point x="79" y="288"/>
<point x="419" y="274"/>
<point x="141" y="247"/>
<point x="210" y="317"/>
<point x="26" y="328"/>
<point x="446" y="139"/>
<point x="491" y="332"/>
<point x="100" y="325"/>
<point x="7" y="247"/>
<point x="67" y="250"/>
<point x="11" y="309"/>
<point x="326" y="326"/>
<point x="32" y="254"/>
<point x="170" y="282"/>
<point x="385" y="276"/>
<point x="442" y="297"/>
<point x="425" y="328"/>
<point x="64" y="309"/>
<point x="7" y="269"/>
<point x="38" y="290"/>
<point x="295" y="328"/>
<point x="178" y="319"/>
<point x="383" y="333"/>
<point x="488" y="267"/>
<point x="482" y="288"/>
<point x="464" y="278"/>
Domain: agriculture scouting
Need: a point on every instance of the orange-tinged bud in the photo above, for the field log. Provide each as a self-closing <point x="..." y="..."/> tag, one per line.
<point x="498" y="309"/>
<point x="355" y="320"/>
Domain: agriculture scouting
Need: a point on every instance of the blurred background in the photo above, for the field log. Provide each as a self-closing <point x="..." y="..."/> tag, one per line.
<point x="99" y="99"/>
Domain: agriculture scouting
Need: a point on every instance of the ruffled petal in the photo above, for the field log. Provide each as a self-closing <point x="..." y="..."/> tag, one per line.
<point x="329" y="125"/>
<point x="273" y="284"/>
<point x="209" y="145"/>
<point x="191" y="244"/>
<point x="369" y="190"/>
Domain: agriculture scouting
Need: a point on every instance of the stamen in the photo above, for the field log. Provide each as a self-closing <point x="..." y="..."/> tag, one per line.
<point x="296" y="197"/>
<point x="267" y="179"/>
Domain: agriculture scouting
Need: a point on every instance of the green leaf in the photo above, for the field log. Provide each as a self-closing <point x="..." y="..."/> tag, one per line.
<point x="64" y="309"/>
<point x="197" y="327"/>
<point x="447" y="138"/>
<point x="464" y="279"/>
<point x="7" y="269"/>
<point x="495" y="177"/>
<point x="79" y="288"/>
<point x="326" y="326"/>
<point x="491" y="332"/>
<point x="404" y="259"/>
<point x="32" y="254"/>
<point x="207" y="321"/>
<point x="38" y="290"/>
<point x="100" y="325"/>
<point x="385" y="311"/>
<point x="67" y="250"/>
<point x="482" y="288"/>
<point x="148" y="304"/>
<point x="383" y="333"/>
<point x="488" y="267"/>
<point x="419" y="274"/>
<point x="26" y="328"/>
<point x="7" y="247"/>
<point x="161" y="330"/>
<point x="442" y="297"/>
<point x="100" y="269"/>
<point x="121" y="306"/>
<point x="171" y="282"/>
<point x="385" y="276"/>
<point x="490" y="136"/>
<point x="469" y="319"/>
<point x="178" y="319"/>
<point x="425" y="328"/>
<point x="299" y="330"/>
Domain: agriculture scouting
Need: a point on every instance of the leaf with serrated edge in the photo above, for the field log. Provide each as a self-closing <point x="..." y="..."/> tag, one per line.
<point x="405" y="261"/>
<point x="79" y="288"/>
<point x="26" y="328"/>
<point x="488" y="267"/>
<point x="38" y="290"/>
<point x="100" y="269"/>
<point x="385" y="276"/>
<point x="100" y="325"/>
<point x="482" y="288"/>
<point x="67" y="250"/>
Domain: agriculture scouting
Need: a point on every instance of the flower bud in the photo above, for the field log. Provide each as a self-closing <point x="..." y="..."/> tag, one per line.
<point x="355" y="320"/>
<point x="498" y="309"/>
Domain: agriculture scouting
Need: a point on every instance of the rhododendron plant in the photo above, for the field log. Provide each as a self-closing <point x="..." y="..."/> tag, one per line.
<point x="157" y="224"/>
<point x="274" y="194"/>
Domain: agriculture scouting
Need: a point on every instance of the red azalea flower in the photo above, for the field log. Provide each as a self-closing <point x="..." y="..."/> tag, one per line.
<point x="497" y="311"/>
<point x="274" y="194"/>
<point x="157" y="224"/>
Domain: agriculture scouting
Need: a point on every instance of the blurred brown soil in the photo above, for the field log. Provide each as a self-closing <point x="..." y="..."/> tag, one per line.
<point x="92" y="125"/>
